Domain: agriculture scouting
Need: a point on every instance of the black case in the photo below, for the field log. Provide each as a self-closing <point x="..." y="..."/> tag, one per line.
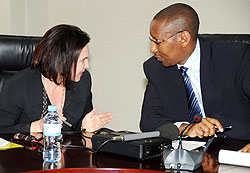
<point x="138" y="149"/>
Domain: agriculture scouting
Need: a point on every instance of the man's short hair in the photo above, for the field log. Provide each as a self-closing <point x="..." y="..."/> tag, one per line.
<point x="189" y="18"/>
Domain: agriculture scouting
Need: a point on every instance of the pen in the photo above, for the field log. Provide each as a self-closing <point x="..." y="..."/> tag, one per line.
<point x="226" y="128"/>
<point x="67" y="123"/>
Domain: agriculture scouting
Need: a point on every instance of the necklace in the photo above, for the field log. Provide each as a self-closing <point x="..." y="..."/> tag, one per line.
<point x="60" y="109"/>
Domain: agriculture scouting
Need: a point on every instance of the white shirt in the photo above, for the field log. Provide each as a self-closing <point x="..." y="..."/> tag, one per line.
<point x="193" y="65"/>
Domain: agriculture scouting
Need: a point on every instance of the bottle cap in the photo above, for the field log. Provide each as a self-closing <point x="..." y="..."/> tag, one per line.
<point x="52" y="108"/>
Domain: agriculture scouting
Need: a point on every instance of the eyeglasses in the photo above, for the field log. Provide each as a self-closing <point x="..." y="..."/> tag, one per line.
<point x="158" y="42"/>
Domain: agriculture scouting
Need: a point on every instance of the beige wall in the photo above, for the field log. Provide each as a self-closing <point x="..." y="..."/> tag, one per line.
<point x="119" y="44"/>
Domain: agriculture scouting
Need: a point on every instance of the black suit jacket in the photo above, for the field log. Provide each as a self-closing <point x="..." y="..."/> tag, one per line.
<point x="22" y="96"/>
<point x="225" y="88"/>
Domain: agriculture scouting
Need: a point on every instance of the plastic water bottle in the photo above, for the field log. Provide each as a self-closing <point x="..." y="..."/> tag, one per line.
<point x="51" y="165"/>
<point x="52" y="135"/>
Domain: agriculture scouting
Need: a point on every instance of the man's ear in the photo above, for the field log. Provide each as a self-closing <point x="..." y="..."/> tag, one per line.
<point x="184" y="38"/>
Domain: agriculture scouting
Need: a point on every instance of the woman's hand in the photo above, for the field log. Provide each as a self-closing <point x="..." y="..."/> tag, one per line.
<point x="246" y="149"/>
<point x="37" y="126"/>
<point x="92" y="121"/>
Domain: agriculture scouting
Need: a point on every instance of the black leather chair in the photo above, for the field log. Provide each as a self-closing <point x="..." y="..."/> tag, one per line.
<point x="243" y="38"/>
<point x="16" y="52"/>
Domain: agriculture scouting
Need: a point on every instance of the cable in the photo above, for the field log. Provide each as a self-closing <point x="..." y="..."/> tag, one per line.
<point x="77" y="146"/>
<point x="84" y="136"/>
<point x="104" y="143"/>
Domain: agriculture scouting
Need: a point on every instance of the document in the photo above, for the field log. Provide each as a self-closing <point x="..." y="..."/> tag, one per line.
<point x="4" y="144"/>
<point x="233" y="168"/>
<point x="234" y="157"/>
<point x="188" y="145"/>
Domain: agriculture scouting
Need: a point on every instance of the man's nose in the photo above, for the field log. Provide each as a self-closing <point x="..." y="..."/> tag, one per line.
<point x="153" y="47"/>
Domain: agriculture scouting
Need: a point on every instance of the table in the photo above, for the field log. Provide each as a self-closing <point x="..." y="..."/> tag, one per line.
<point x="30" y="158"/>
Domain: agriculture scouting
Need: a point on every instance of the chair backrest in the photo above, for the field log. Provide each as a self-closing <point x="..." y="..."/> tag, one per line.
<point x="243" y="38"/>
<point x="16" y="53"/>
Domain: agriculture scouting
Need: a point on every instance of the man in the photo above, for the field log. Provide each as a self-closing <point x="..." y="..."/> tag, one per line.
<point x="219" y="74"/>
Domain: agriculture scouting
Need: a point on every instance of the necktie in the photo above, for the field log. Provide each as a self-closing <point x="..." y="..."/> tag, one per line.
<point x="193" y="105"/>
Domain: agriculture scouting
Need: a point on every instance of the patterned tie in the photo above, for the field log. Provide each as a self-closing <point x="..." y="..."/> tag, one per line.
<point x="193" y="105"/>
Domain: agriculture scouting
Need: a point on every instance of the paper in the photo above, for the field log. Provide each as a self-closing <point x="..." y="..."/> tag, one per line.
<point x="8" y="145"/>
<point x="233" y="168"/>
<point x="3" y="142"/>
<point x="234" y="158"/>
<point x="188" y="145"/>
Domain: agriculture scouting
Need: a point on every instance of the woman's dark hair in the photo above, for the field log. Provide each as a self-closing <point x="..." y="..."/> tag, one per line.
<point x="58" y="51"/>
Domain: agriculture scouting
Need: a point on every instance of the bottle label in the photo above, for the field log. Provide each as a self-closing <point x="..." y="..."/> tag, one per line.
<point x="52" y="129"/>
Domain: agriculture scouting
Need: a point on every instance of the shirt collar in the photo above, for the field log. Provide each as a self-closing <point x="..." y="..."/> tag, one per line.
<point x="193" y="62"/>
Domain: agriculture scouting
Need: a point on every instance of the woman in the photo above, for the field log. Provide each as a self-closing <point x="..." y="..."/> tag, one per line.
<point x="57" y="76"/>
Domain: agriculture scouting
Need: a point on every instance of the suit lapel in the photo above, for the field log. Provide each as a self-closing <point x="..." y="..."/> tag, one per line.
<point x="67" y="99"/>
<point x="72" y="97"/>
<point x="175" y="87"/>
<point x="206" y="77"/>
<point x="36" y="88"/>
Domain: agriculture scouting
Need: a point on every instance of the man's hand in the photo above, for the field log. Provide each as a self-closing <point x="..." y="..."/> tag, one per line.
<point x="205" y="128"/>
<point x="92" y="121"/>
<point x="246" y="149"/>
